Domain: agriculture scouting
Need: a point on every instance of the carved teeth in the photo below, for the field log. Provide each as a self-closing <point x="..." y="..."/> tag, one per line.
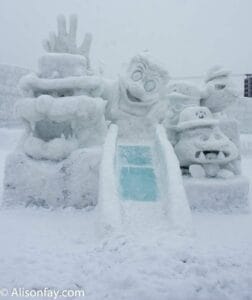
<point x="221" y="155"/>
<point x="202" y="156"/>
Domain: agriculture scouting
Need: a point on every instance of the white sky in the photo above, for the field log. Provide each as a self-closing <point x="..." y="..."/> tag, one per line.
<point x="189" y="36"/>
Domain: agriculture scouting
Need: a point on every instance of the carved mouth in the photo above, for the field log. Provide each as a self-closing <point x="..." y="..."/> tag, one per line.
<point x="212" y="155"/>
<point x="48" y="130"/>
<point x="133" y="98"/>
<point x="55" y="128"/>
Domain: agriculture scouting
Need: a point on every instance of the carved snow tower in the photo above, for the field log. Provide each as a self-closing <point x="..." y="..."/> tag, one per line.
<point x="64" y="128"/>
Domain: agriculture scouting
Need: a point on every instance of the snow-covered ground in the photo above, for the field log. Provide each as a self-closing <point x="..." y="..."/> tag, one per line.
<point x="61" y="249"/>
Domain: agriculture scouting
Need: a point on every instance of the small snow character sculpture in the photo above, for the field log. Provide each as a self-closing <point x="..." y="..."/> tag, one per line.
<point x="61" y="111"/>
<point x="180" y="95"/>
<point x="219" y="90"/>
<point x="203" y="150"/>
<point x="134" y="100"/>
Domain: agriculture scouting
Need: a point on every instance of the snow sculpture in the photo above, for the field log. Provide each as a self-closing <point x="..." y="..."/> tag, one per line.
<point x="65" y="42"/>
<point x="57" y="162"/>
<point x="180" y="96"/>
<point x="134" y="100"/>
<point x="219" y="90"/>
<point x="60" y="112"/>
<point x="202" y="147"/>
<point x="208" y="151"/>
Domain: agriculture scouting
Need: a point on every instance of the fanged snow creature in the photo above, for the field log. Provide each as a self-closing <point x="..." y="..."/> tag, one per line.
<point x="134" y="99"/>
<point x="219" y="91"/>
<point x="203" y="149"/>
<point x="61" y="112"/>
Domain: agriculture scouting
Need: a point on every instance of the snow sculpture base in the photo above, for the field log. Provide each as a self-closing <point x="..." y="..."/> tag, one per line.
<point x="71" y="182"/>
<point x="218" y="195"/>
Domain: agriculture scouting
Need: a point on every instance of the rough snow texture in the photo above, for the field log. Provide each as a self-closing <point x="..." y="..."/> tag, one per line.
<point x="218" y="195"/>
<point x="180" y="95"/>
<point x="201" y="141"/>
<point x="60" y="249"/>
<point x="72" y="182"/>
<point x="108" y="203"/>
<point x="32" y="85"/>
<point x="174" y="198"/>
<point x="242" y="112"/>
<point x="219" y="92"/>
<point x="56" y="127"/>
<point x="62" y="65"/>
<point x="9" y="93"/>
<point x="246" y="144"/>
<point x="134" y="99"/>
<point x="64" y="41"/>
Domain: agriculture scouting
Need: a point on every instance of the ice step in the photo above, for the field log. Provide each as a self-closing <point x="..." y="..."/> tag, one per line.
<point x="137" y="179"/>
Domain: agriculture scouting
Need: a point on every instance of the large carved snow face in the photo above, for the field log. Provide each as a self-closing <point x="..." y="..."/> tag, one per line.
<point x="141" y="86"/>
<point x="205" y="145"/>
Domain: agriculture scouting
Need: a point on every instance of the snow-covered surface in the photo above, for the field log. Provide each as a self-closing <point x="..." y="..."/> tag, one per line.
<point x="175" y="201"/>
<point x="71" y="182"/>
<point x="61" y="65"/>
<point x="218" y="195"/>
<point x="242" y="111"/>
<point x="108" y="200"/>
<point x="32" y="82"/>
<point x="219" y="92"/>
<point x="60" y="249"/>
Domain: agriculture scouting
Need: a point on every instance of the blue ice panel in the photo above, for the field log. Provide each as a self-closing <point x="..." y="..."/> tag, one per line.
<point x="134" y="155"/>
<point x="138" y="184"/>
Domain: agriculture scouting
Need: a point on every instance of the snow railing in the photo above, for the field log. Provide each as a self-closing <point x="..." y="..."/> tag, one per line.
<point x="174" y="196"/>
<point x="108" y="200"/>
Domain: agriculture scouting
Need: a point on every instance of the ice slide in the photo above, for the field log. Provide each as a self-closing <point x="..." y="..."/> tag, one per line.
<point x="141" y="185"/>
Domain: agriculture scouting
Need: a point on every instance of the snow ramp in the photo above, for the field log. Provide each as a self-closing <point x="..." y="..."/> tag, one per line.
<point x="141" y="186"/>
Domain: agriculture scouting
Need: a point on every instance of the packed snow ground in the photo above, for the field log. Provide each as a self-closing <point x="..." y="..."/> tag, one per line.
<point x="61" y="249"/>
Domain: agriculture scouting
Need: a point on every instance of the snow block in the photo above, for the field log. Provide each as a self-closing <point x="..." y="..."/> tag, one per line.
<point x="218" y="195"/>
<point x="71" y="182"/>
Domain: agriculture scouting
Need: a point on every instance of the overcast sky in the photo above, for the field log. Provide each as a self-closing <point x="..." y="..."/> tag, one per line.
<point x="189" y="36"/>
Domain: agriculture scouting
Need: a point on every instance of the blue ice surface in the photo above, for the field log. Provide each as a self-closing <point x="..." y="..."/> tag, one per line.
<point x="137" y="178"/>
<point x="138" y="184"/>
<point x="134" y="155"/>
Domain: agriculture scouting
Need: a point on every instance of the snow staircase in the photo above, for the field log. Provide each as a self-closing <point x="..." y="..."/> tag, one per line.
<point x="141" y="186"/>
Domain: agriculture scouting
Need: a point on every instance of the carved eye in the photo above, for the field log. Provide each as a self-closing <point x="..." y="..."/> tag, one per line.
<point x="220" y="86"/>
<point x="150" y="85"/>
<point x="204" y="137"/>
<point x="137" y="75"/>
<point x="201" y="114"/>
